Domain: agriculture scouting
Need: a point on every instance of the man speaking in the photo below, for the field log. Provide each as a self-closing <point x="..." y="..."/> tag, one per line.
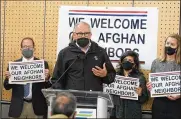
<point x="83" y="65"/>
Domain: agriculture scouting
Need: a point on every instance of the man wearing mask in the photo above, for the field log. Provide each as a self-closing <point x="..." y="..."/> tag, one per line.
<point x="83" y="65"/>
<point x="27" y="101"/>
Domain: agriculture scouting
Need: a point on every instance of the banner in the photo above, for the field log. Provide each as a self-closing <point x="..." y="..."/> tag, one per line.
<point x="117" y="29"/>
<point x="125" y="87"/>
<point x="165" y="83"/>
<point x="27" y="72"/>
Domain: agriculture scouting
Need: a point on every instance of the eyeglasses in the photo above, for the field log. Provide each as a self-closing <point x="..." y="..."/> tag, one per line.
<point x="27" y="47"/>
<point x="86" y="34"/>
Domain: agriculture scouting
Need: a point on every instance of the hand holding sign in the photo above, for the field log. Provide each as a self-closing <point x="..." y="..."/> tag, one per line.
<point x="173" y="97"/>
<point x="7" y="74"/>
<point x="99" y="71"/>
<point x="149" y="86"/>
<point x="47" y="74"/>
<point x="139" y="91"/>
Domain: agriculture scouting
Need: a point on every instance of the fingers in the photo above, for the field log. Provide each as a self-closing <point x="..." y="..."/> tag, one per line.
<point x="7" y="74"/>
<point x="149" y="86"/>
<point x="104" y="66"/>
<point x="170" y="97"/>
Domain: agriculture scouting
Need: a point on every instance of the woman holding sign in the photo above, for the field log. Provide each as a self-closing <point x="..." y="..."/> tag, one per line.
<point x="126" y="108"/>
<point x="167" y="107"/>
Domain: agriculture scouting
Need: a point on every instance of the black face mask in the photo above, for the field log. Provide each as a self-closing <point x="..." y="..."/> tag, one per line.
<point x="170" y="51"/>
<point x="82" y="42"/>
<point x="127" y="65"/>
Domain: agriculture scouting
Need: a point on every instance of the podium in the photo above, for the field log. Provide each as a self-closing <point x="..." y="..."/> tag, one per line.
<point x="100" y="101"/>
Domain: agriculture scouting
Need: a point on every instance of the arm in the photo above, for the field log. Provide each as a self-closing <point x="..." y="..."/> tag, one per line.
<point x="111" y="73"/>
<point x="58" y="70"/>
<point x="7" y="86"/>
<point x="144" y="96"/>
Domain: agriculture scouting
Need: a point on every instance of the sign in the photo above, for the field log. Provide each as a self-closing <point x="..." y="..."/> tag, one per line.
<point x="117" y="29"/>
<point x="125" y="87"/>
<point x="27" y="72"/>
<point x="165" y="83"/>
<point x="85" y="113"/>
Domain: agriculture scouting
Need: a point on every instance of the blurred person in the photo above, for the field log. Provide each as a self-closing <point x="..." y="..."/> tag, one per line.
<point x="64" y="106"/>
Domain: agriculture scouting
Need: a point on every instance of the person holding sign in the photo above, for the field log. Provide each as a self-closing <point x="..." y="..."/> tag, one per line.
<point x="83" y="65"/>
<point x="167" y="107"/>
<point x="27" y="101"/>
<point x="126" y="108"/>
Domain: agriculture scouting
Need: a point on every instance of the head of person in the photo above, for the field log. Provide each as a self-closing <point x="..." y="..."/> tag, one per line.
<point x="65" y="104"/>
<point x="82" y="34"/>
<point x="27" y="47"/>
<point x="129" y="61"/>
<point x="172" y="47"/>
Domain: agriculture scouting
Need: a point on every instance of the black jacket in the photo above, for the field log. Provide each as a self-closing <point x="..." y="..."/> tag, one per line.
<point x="80" y="75"/>
<point x="38" y="100"/>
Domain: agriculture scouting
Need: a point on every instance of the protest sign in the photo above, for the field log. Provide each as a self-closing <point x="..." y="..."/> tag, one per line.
<point x="165" y="83"/>
<point x="125" y="87"/>
<point x="116" y="29"/>
<point x="26" y="72"/>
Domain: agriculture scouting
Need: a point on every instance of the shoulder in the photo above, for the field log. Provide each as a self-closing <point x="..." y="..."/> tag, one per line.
<point x="18" y="60"/>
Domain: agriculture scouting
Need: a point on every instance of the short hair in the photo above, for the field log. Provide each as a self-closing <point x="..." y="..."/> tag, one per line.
<point x="65" y="108"/>
<point x="29" y="38"/>
<point x="82" y="22"/>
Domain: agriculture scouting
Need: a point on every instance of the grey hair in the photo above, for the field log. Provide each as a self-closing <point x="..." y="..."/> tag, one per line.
<point x="82" y="22"/>
<point x="67" y="109"/>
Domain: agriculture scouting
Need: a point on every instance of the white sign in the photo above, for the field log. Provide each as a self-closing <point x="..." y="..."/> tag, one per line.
<point x="165" y="83"/>
<point x="125" y="87"/>
<point x="85" y="113"/>
<point x="26" y="72"/>
<point x="117" y="29"/>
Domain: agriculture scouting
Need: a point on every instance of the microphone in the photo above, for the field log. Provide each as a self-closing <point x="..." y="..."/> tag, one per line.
<point x="55" y="85"/>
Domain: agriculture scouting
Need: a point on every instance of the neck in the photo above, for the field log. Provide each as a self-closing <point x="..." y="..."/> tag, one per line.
<point x="28" y="58"/>
<point x="170" y="57"/>
<point x="126" y="73"/>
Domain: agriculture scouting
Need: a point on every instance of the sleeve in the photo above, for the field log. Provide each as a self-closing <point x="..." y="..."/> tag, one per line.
<point x="58" y="71"/>
<point x="111" y="73"/>
<point x="47" y="84"/>
<point x="7" y="86"/>
<point x="153" y="66"/>
<point x="144" y="97"/>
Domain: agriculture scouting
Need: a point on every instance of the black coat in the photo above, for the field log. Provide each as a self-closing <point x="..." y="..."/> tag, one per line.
<point x="38" y="99"/>
<point x="80" y="75"/>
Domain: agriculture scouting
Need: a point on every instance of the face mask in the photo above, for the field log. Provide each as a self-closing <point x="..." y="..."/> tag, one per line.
<point x="127" y="65"/>
<point x="170" y="51"/>
<point x="27" y="53"/>
<point x="82" y="42"/>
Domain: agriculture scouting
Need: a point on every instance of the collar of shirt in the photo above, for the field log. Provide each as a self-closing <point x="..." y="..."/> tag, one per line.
<point x="25" y="60"/>
<point x="87" y="47"/>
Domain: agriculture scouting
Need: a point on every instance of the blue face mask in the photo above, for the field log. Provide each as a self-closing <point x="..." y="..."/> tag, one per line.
<point x="27" y="53"/>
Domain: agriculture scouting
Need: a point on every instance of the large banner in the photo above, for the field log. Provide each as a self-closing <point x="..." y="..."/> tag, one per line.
<point x="26" y="72"/>
<point x="165" y="83"/>
<point x="117" y="29"/>
<point x="125" y="87"/>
